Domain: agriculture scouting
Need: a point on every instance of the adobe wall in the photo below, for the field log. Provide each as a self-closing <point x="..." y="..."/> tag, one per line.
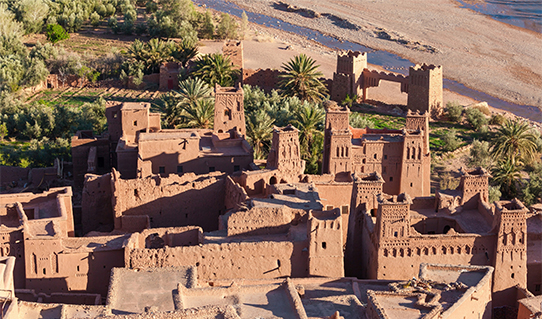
<point x="324" y="230"/>
<point x="127" y="160"/>
<point x="262" y="220"/>
<point x="80" y="149"/>
<point x="247" y="260"/>
<point x="234" y="50"/>
<point x="53" y="265"/>
<point x="97" y="211"/>
<point x="170" y="201"/>
<point x="171" y="236"/>
<point x="441" y="249"/>
<point x="11" y="175"/>
<point x="234" y="194"/>
<point x="168" y="76"/>
<point x="337" y="195"/>
<point x="266" y="79"/>
<point x="425" y="89"/>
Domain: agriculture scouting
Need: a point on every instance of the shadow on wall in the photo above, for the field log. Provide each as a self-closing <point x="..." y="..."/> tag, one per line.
<point x="194" y="207"/>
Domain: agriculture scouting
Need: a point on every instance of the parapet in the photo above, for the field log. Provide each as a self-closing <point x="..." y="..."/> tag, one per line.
<point x="401" y="199"/>
<point x="426" y="67"/>
<point x="512" y="206"/>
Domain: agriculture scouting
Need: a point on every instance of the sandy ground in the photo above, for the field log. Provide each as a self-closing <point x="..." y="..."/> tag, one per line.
<point x="484" y="54"/>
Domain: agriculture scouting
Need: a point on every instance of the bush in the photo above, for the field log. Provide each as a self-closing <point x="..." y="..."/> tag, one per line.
<point x="497" y="119"/>
<point x="227" y="28"/>
<point x="454" y="111"/>
<point x="447" y="181"/>
<point x="451" y="141"/>
<point x="207" y="27"/>
<point x="56" y="33"/>
<point x="95" y="19"/>
<point x="476" y="118"/>
<point x="359" y="121"/>
<point x="480" y="154"/>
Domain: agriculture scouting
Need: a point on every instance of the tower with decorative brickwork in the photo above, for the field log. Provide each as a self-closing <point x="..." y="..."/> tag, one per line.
<point x="285" y="152"/>
<point x="337" y="140"/>
<point x="425" y="89"/>
<point x="511" y="253"/>
<point x="234" y="50"/>
<point x="229" y="110"/>
<point x="416" y="163"/>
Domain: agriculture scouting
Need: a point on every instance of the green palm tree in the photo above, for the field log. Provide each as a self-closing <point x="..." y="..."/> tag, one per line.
<point x="192" y="90"/>
<point x="215" y="69"/>
<point x="152" y="53"/>
<point x="302" y="79"/>
<point x="507" y="176"/>
<point x="516" y="141"/>
<point x="309" y="121"/>
<point x="260" y="132"/>
<point x="184" y="52"/>
<point x="199" y="114"/>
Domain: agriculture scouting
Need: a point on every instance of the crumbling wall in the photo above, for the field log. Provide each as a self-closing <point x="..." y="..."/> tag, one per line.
<point x="248" y="260"/>
<point x="176" y="200"/>
<point x="97" y="212"/>
<point x="262" y="220"/>
<point x="234" y="194"/>
<point x="12" y="175"/>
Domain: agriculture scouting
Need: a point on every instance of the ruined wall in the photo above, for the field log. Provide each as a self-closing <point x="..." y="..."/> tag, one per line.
<point x="97" y="211"/>
<point x="262" y="220"/>
<point x="171" y="201"/>
<point x="81" y="148"/>
<point x="266" y="79"/>
<point x="248" y="260"/>
<point x="234" y="194"/>
<point x="11" y="175"/>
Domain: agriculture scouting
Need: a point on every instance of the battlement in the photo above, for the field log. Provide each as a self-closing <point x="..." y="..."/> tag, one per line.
<point x="426" y="67"/>
<point x="234" y="50"/>
<point x="513" y="206"/>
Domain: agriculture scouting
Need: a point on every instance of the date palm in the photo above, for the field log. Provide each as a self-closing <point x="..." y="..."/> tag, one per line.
<point x="184" y="52"/>
<point x="309" y="121"/>
<point x="516" y="141"/>
<point x="192" y="90"/>
<point x="302" y="79"/>
<point x="215" y="69"/>
<point x="199" y="114"/>
<point x="507" y="175"/>
<point x="260" y="132"/>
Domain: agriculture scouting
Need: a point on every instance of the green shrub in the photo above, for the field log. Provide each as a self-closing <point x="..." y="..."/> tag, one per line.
<point x="497" y="119"/>
<point x="451" y="141"/>
<point x="494" y="193"/>
<point x="359" y="121"/>
<point x="95" y="19"/>
<point x="454" y="111"/>
<point x="480" y="154"/>
<point x="476" y="118"/>
<point x="56" y="33"/>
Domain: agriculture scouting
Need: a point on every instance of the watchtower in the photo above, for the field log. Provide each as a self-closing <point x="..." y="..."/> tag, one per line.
<point x="325" y="243"/>
<point x="348" y="75"/>
<point x="425" y="89"/>
<point x="229" y="110"/>
<point x="234" y="50"/>
<point x="337" y="140"/>
<point x="285" y="153"/>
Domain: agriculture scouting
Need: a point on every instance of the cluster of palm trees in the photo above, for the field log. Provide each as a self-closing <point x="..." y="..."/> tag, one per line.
<point x="515" y="146"/>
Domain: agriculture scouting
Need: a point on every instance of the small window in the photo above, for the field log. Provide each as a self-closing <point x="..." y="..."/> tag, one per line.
<point x="324" y="245"/>
<point x="385" y="156"/>
<point x="344" y="209"/>
<point x="391" y="178"/>
<point x="135" y="123"/>
<point x="236" y="168"/>
<point x="329" y="207"/>
<point x="395" y="234"/>
<point x="410" y="184"/>
<point x="162" y="169"/>
<point x="374" y="156"/>
<point x="512" y="275"/>
<point x="212" y="169"/>
<point x="179" y="169"/>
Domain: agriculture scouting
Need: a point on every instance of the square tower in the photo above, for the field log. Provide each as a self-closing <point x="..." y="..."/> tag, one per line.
<point x="285" y="153"/>
<point x="234" y="50"/>
<point x="324" y="230"/>
<point x="337" y="140"/>
<point x="511" y="253"/>
<point x="229" y="110"/>
<point x="425" y="89"/>
<point x="348" y="76"/>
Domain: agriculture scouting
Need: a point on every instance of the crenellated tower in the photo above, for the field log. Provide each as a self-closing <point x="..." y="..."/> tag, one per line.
<point x="285" y="152"/>
<point x="348" y="75"/>
<point x="425" y="89"/>
<point x="474" y="186"/>
<point x="229" y="110"/>
<point x="511" y="253"/>
<point x="337" y="140"/>
<point x="416" y="162"/>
